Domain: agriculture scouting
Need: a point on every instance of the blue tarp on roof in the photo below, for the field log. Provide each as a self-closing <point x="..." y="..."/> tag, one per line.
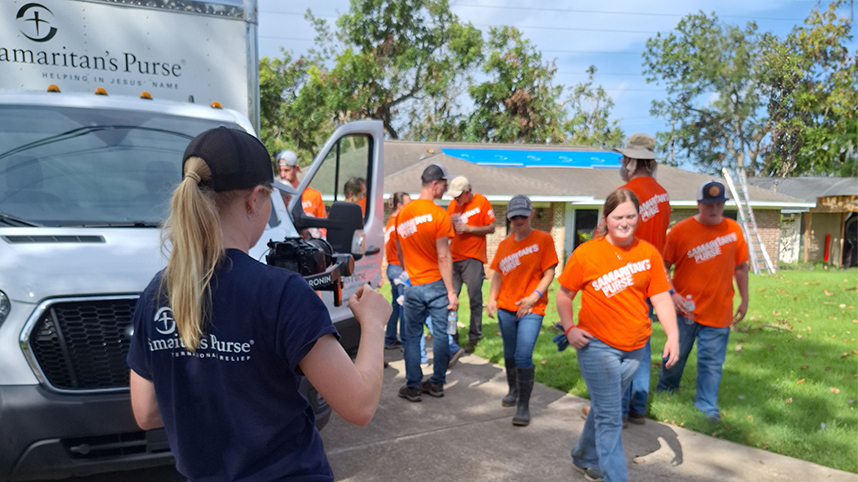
<point x="537" y="158"/>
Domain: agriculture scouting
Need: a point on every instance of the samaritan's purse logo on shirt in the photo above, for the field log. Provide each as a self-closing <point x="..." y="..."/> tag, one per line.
<point x="621" y="278"/>
<point x="512" y="261"/>
<point x="409" y="227"/>
<point x="210" y="346"/>
<point x="711" y="249"/>
<point x="650" y="208"/>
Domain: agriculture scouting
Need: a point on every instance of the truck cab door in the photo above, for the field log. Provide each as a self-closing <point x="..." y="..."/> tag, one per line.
<point x="349" y="168"/>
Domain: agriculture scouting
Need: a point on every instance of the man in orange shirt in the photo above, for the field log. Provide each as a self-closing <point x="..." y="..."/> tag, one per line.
<point x="473" y="219"/>
<point x="709" y="251"/>
<point x="638" y="167"/>
<point x="311" y="199"/>
<point x="423" y="231"/>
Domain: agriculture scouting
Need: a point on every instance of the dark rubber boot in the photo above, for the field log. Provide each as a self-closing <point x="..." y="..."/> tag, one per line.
<point x="511" y="397"/>
<point x="525" y="386"/>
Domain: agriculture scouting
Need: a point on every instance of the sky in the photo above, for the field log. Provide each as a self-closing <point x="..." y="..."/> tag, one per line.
<point x="609" y="34"/>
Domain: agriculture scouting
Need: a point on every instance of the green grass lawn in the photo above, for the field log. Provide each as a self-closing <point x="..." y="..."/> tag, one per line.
<point x="790" y="379"/>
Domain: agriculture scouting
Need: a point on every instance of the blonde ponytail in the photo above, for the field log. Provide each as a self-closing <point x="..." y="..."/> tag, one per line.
<point x="194" y="231"/>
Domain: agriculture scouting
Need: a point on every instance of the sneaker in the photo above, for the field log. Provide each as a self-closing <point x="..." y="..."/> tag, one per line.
<point x="637" y="418"/>
<point x="432" y="389"/>
<point x="455" y="358"/>
<point x="590" y="473"/>
<point x="396" y="344"/>
<point x="714" y="418"/>
<point x="412" y="394"/>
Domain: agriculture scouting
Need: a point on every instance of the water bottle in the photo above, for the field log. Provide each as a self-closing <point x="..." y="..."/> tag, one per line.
<point x="689" y="307"/>
<point x="452" y="319"/>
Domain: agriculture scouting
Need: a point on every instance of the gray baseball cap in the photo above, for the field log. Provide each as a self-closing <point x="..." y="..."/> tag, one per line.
<point x="519" y="205"/>
<point x="287" y="158"/>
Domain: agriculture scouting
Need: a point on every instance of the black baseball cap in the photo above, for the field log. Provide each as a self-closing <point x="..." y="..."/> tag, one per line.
<point x="435" y="172"/>
<point x="236" y="159"/>
<point x="711" y="192"/>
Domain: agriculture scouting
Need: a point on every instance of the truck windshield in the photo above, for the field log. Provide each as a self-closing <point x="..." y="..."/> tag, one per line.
<point x="64" y="166"/>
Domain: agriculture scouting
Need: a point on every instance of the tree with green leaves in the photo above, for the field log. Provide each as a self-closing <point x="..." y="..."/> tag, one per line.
<point x="813" y="82"/>
<point x="519" y="102"/>
<point x="712" y="73"/>
<point x="293" y="108"/>
<point x="396" y="53"/>
<point x="589" y="123"/>
<point x="745" y="99"/>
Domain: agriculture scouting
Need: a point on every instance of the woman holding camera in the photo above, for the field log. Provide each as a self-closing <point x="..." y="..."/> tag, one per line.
<point x="616" y="273"/>
<point x="221" y="340"/>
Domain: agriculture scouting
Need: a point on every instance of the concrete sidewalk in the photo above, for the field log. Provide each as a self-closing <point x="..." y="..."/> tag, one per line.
<point x="468" y="436"/>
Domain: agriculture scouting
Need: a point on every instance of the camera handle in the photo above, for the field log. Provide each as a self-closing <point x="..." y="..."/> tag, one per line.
<point x="331" y="278"/>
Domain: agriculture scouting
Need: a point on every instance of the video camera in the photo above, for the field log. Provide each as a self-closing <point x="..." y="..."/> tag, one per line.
<point x="315" y="260"/>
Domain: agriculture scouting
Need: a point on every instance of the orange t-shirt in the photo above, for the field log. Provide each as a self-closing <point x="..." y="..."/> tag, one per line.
<point x="706" y="258"/>
<point x="390" y="241"/>
<point x="418" y="225"/>
<point x="654" y="210"/>
<point x="311" y="202"/>
<point x="478" y="213"/>
<point x="521" y="265"/>
<point x="362" y="203"/>
<point x="615" y="282"/>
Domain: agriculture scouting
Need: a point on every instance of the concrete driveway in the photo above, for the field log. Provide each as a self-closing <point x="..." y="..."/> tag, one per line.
<point x="468" y="436"/>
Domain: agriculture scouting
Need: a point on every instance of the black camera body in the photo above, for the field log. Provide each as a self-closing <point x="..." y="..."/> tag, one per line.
<point x="315" y="260"/>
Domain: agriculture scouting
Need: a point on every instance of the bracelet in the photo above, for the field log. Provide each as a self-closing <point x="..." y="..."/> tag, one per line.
<point x="566" y="333"/>
<point x="538" y="292"/>
<point x="671" y="292"/>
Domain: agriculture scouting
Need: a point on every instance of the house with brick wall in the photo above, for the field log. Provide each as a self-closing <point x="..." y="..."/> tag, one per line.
<point x="567" y="200"/>
<point x="827" y="232"/>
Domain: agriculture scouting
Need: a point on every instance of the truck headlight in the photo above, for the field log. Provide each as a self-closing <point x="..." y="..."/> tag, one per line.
<point x="5" y="307"/>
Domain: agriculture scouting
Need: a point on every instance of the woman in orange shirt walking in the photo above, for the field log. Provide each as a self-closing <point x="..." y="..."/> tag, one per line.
<point x="616" y="274"/>
<point x="394" y="273"/>
<point x="523" y="268"/>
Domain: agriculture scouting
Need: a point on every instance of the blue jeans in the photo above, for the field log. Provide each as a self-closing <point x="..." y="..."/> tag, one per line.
<point x="396" y="290"/>
<point x="519" y="336"/>
<point x="422" y="301"/>
<point x="711" y="351"/>
<point x="635" y="398"/>
<point x="607" y="372"/>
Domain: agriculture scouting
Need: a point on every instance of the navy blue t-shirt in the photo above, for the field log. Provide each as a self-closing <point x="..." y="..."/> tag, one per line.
<point x="232" y="410"/>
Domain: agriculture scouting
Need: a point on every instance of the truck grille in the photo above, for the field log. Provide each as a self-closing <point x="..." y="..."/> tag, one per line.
<point x="82" y="344"/>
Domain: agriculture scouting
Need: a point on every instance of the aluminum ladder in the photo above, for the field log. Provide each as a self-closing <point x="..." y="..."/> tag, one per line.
<point x="757" y="254"/>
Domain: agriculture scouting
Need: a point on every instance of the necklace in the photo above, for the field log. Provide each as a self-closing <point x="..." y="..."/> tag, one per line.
<point x="617" y="250"/>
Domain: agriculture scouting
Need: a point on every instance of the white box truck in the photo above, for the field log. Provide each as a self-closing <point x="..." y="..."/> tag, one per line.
<point x="98" y="100"/>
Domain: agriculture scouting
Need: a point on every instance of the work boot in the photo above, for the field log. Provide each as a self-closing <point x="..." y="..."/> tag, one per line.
<point x="511" y="397"/>
<point x="525" y="386"/>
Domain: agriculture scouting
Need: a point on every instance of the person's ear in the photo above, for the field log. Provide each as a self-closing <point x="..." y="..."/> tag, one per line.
<point x="254" y="200"/>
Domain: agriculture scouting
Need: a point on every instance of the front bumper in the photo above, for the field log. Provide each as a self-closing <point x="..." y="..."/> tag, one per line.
<point x="44" y="435"/>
